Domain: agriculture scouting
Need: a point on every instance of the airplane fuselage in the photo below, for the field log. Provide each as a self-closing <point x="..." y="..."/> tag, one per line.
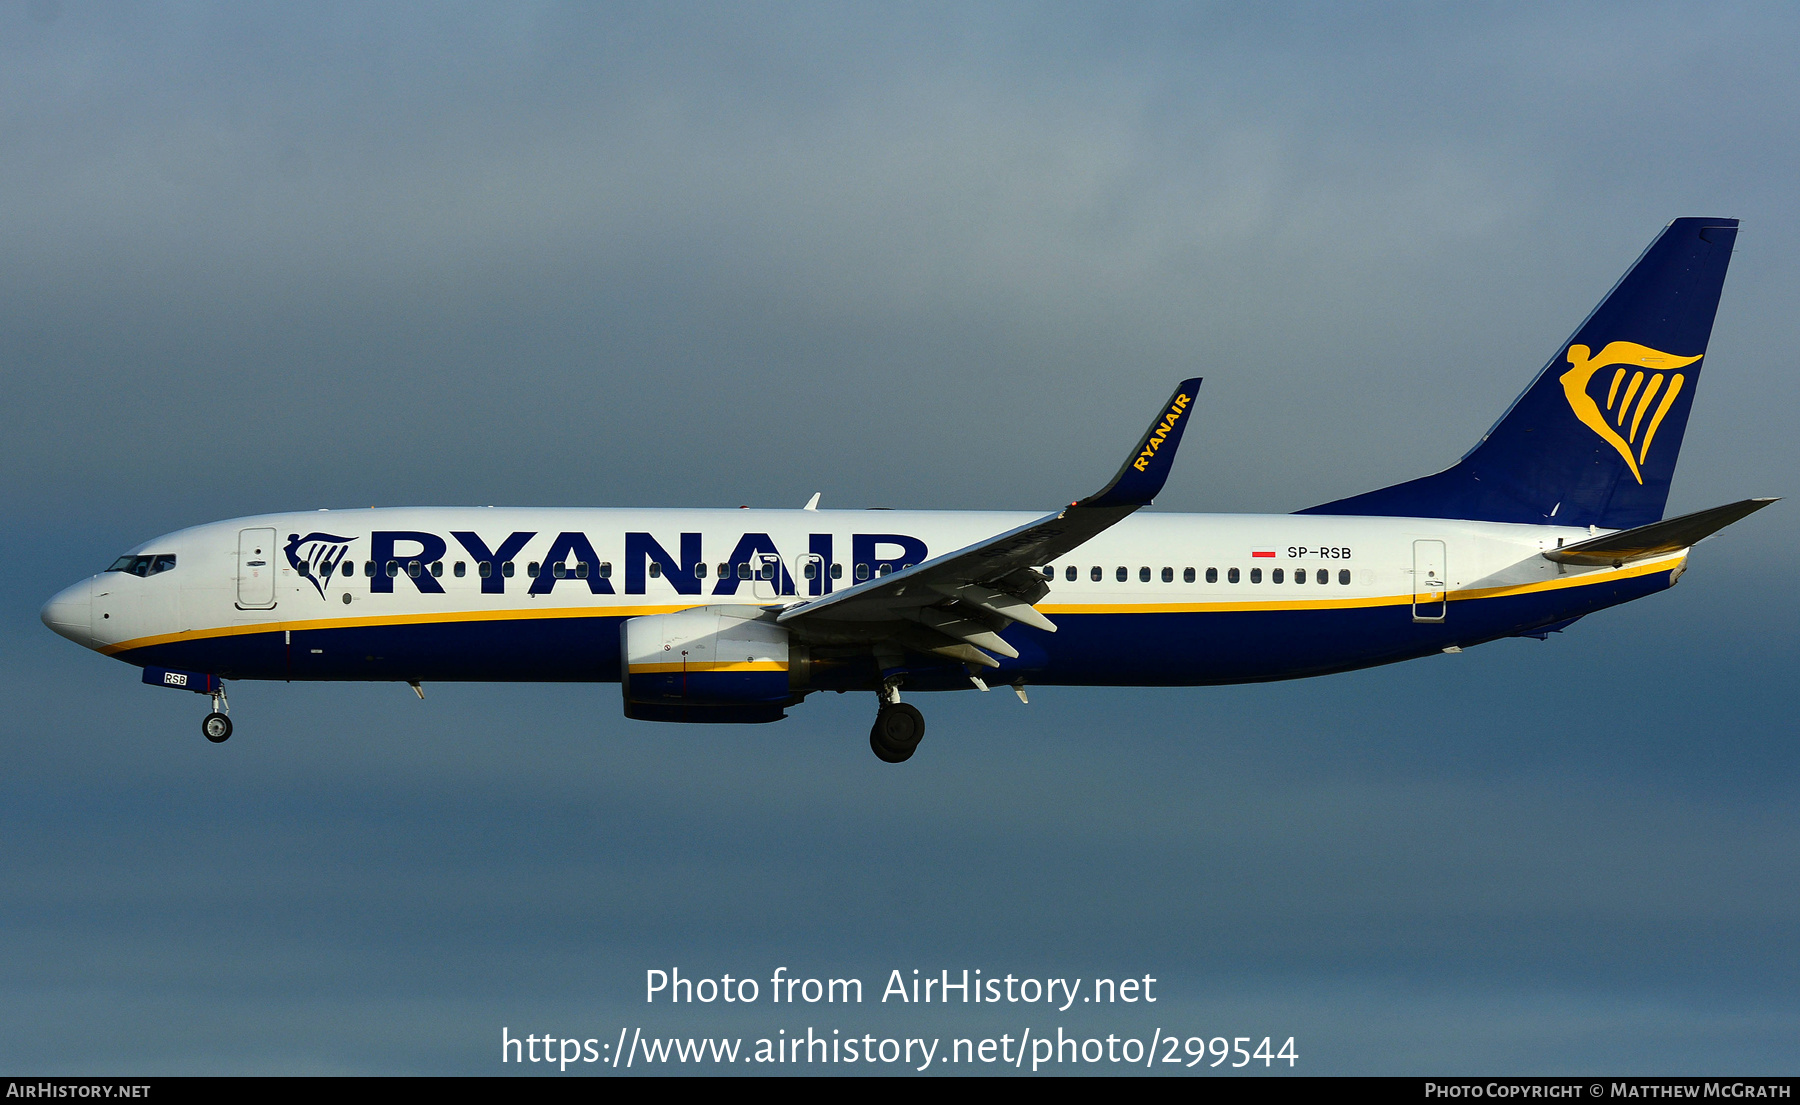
<point x="469" y="594"/>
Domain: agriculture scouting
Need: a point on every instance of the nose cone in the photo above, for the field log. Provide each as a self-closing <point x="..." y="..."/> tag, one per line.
<point x="70" y="613"/>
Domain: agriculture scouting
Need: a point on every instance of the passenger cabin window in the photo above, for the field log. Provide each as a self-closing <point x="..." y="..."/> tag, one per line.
<point x="1049" y="571"/>
<point x="1095" y="574"/>
<point x="1144" y="575"/>
<point x="393" y="568"/>
<point x="724" y="570"/>
<point x="1256" y="575"/>
<point x="349" y="569"/>
<point x="1168" y="575"/>
<point x="1276" y="576"/>
<point x="485" y="569"/>
<point x="413" y="568"/>
<point x="656" y="569"/>
<point x="1212" y="575"/>
<point x="1344" y="576"/>
<point x="812" y="570"/>
<point x="743" y="571"/>
<point x="506" y="570"/>
<point x="531" y="569"/>
<point x="460" y="570"/>
<point x="862" y="572"/>
<point x="1232" y="575"/>
<point x="606" y="569"/>
<point x="437" y="569"/>
<point x="1187" y="575"/>
<point x="1122" y="574"/>
<point x="837" y="571"/>
<point x="699" y="570"/>
<point x="581" y="569"/>
<point x="559" y="570"/>
<point x="1069" y="573"/>
<point x="1324" y="576"/>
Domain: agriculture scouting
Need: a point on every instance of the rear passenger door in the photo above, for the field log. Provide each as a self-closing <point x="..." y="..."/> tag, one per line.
<point x="1431" y="583"/>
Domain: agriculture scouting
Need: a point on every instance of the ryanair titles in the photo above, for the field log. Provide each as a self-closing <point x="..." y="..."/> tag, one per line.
<point x="1155" y="440"/>
<point x="619" y="564"/>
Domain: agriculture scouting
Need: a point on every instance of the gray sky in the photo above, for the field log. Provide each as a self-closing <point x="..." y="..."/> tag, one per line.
<point x="271" y="257"/>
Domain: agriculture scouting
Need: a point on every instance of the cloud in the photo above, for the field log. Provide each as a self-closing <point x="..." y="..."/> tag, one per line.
<point x="600" y="227"/>
<point x="260" y="258"/>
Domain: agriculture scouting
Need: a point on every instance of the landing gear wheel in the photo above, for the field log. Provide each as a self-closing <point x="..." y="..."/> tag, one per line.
<point x="217" y="727"/>
<point x="883" y="753"/>
<point x="896" y="733"/>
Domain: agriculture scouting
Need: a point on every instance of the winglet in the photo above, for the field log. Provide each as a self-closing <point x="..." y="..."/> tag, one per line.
<point x="1146" y="470"/>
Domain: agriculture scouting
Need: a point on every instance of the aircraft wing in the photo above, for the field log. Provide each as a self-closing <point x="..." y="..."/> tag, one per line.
<point x="956" y="605"/>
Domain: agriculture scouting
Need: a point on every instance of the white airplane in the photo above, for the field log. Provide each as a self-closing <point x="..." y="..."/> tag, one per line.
<point x="737" y="615"/>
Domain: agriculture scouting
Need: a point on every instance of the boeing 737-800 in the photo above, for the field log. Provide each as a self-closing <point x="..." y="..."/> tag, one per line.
<point x="738" y="615"/>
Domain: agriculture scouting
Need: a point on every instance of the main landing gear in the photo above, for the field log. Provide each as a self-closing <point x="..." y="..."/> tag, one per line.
<point x="217" y="725"/>
<point x="898" y="728"/>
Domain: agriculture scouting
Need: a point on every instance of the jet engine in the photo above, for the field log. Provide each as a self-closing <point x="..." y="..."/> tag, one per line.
<point x="709" y="664"/>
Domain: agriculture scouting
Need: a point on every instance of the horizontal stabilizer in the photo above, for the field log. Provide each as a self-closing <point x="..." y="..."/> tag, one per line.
<point x="1657" y="538"/>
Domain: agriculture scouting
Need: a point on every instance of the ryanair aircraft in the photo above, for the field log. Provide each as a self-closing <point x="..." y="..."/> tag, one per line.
<point x="738" y="615"/>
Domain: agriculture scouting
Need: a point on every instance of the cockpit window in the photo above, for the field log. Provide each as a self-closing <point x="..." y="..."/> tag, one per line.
<point x="144" y="565"/>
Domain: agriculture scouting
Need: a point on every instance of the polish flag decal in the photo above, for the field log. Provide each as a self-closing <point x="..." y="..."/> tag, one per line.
<point x="1262" y="552"/>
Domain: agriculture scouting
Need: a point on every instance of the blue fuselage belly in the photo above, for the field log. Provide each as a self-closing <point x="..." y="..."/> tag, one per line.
<point x="1183" y="648"/>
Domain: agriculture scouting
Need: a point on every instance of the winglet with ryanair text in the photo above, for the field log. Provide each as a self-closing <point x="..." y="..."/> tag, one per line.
<point x="1147" y="469"/>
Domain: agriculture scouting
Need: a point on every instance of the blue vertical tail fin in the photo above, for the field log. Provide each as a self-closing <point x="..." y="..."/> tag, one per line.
<point x="1593" y="440"/>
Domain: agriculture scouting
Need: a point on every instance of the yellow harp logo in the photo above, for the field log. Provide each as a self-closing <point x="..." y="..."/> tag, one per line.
<point x="1649" y="375"/>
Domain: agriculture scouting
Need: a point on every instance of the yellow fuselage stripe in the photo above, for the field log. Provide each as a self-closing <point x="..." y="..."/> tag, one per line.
<point x="1585" y="579"/>
<point x="741" y="665"/>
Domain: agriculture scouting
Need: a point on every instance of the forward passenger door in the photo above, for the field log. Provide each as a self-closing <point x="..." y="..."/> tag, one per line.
<point x="256" y="569"/>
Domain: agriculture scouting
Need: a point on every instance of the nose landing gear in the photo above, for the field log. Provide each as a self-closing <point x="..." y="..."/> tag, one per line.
<point x="898" y="728"/>
<point x="217" y="725"/>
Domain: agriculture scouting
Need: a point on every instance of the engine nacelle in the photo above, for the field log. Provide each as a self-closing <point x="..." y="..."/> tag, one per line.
<point x="711" y="663"/>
